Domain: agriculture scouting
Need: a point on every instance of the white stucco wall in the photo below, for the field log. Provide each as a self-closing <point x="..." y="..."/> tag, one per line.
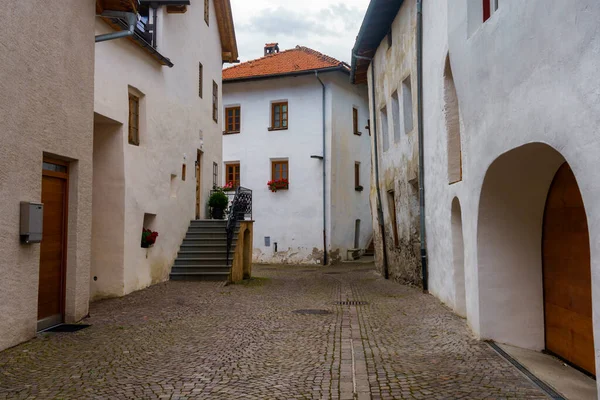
<point x="524" y="76"/>
<point x="46" y="108"/>
<point x="294" y="218"/>
<point x="175" y="123"/>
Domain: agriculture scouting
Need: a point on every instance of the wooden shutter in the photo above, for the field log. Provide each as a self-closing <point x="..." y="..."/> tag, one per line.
<point x="134" y="120"/>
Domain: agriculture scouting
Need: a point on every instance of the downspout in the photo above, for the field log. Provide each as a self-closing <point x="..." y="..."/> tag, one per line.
<point x="379" y="206"/>
<point x="131" y="21"/>
<point x="324" y="176"/>
<point x="424" y="270"/>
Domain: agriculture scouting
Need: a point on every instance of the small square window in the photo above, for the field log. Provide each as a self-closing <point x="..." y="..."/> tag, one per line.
<point x="355" y="127"/>
<point x="200" y="79"/>
<point x="232" y="174"/>
<point x="215" y="102"/>
<point x="279" y="115"/>
<point x="232" y="119"/>
<point x="280" y="174"/>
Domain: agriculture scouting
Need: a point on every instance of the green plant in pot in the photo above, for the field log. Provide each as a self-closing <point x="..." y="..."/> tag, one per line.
<point x="218" y="202"/>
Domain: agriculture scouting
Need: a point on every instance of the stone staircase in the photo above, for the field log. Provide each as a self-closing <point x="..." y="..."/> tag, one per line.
<point x="203" y="253"/>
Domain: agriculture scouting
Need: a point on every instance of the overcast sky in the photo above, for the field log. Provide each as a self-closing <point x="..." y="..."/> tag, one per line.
<point x="329" y="26"/>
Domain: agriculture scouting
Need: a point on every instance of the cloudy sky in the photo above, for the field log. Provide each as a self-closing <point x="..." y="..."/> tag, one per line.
<point x="329" y="26"/>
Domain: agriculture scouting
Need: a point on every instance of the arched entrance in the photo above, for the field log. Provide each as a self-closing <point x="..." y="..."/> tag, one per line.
<point x="567" y="275"/>
<point x="528" y="297"/>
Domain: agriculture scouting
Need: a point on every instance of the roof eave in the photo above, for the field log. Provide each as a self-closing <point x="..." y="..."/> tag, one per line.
<point x="341" y="68"/>
<point x="360" y="48"/>
<point x="229" y="50"/>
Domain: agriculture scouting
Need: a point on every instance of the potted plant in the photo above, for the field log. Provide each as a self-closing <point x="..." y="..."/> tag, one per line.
<point x="277" y="184"/>
<point x="218" y="202"/>
<point x="148" y="237"/>
<point x="228" y="187"/>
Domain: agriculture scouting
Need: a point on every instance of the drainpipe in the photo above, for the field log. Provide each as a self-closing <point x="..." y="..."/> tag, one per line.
<point x="421" y="143"/>
<point x="131" y="21"/>
<point x="324" y="177"/>
<point x="379" y="206"/>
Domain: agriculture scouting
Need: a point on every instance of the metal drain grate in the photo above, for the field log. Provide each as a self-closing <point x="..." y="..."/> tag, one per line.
<point x="351" y="303"/>
<point x="312" y="312"/>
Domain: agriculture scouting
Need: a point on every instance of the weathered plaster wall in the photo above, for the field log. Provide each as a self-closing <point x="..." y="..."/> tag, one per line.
<point x="522" y="77"/>
<point x="46" y="108"/>
<point x="347" y="204"/>
<point x="398" y="164"/>
<point x="292" y="218"/>
<point x="175" y="123"/>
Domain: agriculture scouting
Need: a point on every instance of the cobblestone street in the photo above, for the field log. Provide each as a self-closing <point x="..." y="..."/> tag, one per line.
<point x="203" y="340"/>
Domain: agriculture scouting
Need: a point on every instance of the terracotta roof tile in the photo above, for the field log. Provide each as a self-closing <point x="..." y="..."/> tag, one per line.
<point x="297" y="59"/>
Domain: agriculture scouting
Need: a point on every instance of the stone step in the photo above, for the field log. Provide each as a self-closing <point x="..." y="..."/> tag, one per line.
<point x="200" y="268"/>
<point x="199" y="276"/>
<point x="201" y="254"/>
<point x="206" y="235"/>
<point x="199" y="246"/>
<point x="202" y="261"/>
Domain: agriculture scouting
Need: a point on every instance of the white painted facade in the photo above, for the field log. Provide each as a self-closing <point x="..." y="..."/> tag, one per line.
<point x="528" y="101"/>
<point x="293" y="218"/>
<point x="143" y="186"/>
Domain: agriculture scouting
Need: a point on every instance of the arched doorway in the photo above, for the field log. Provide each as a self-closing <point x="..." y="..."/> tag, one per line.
<point x="567" y="275"/>
<point x="511" y="225"/>
<point x="458" y="254"/>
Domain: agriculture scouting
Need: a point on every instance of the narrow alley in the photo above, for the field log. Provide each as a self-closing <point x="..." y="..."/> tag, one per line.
<point x="285" y="334"/>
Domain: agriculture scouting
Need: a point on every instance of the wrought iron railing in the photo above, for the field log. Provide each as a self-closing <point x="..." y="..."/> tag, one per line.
<point x="240" y="208"/>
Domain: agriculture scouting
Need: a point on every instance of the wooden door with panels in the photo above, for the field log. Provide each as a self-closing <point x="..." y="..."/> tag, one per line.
<point x="53" y="249"/>
<point x="567" y="274"/>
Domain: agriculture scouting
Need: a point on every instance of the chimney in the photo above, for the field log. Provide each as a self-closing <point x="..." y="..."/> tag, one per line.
<point x="271" y="48"/>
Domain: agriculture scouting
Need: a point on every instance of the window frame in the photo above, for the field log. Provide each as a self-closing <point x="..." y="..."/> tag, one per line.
<point x="274" y="163"/>
<point x="355" y="126"/>
<point x="236" y="172"/>
<point x="134" y="137"/>
<point x="229" y="131"/>
<point x="281" y="112"/>
<point x="200" y="80"/>
<point x="215" y="174"/>
<point x="207" y="12"/>
<point x="215" y="102"/>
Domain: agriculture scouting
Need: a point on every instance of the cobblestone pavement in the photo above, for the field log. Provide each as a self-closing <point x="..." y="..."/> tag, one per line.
<point x="181" y="340"/>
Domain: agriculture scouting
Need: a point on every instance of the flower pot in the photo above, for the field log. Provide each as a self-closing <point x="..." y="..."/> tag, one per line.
<point x="217" y="213"/>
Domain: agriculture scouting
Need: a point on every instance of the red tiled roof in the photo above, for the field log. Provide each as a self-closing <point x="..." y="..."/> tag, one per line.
<point x="297" y="59"/>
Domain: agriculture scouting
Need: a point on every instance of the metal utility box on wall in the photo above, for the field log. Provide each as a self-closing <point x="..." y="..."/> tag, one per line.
<point x="32" y="221"/>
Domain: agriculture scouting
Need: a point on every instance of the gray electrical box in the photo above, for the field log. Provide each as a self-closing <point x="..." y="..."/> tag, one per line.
<point x="267" y="241"/>
<point x="32" y="220"/>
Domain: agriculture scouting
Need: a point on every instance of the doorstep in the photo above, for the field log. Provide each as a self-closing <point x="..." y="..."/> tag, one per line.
<point x="569" y="382"/>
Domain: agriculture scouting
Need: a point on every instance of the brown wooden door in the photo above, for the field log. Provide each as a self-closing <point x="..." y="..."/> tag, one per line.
<point x="567" y="274"/>
<point x="198" y="183"/>
<point x="53" y="246"/>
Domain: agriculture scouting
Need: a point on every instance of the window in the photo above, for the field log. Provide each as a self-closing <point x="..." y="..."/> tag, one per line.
<point x="215" y="174"/>
<point x="215" y="102"/>
<point x="279" y="170"/>
<point x="200" y="79"/>
<point x="396" y="116"/>
<point x="183" y="168"/>
<point x="489" y="6"/>
<point x="355" y="121"/>
<point x="134" y="120"/>
<point x="392" y="210"/>
<point x="452" y="118"/>
<point x="407" y="105"/>
<point x="356" y="175"/>
<point x="384" y="129"/>
<point x="279" y="115"/>
<point x="389" y="39"/>
<point x="206" y="11"/>
<point x="232" y="119"/>
<point x="232" y="174"/>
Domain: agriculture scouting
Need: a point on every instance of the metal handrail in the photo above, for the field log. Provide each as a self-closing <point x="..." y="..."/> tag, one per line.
<point x="240" y="208"/>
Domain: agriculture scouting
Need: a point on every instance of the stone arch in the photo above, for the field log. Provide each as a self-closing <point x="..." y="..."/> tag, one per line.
<point x="452" y="118"/>
<point x="458" y="255"/>
<point x="509" y="244"/>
